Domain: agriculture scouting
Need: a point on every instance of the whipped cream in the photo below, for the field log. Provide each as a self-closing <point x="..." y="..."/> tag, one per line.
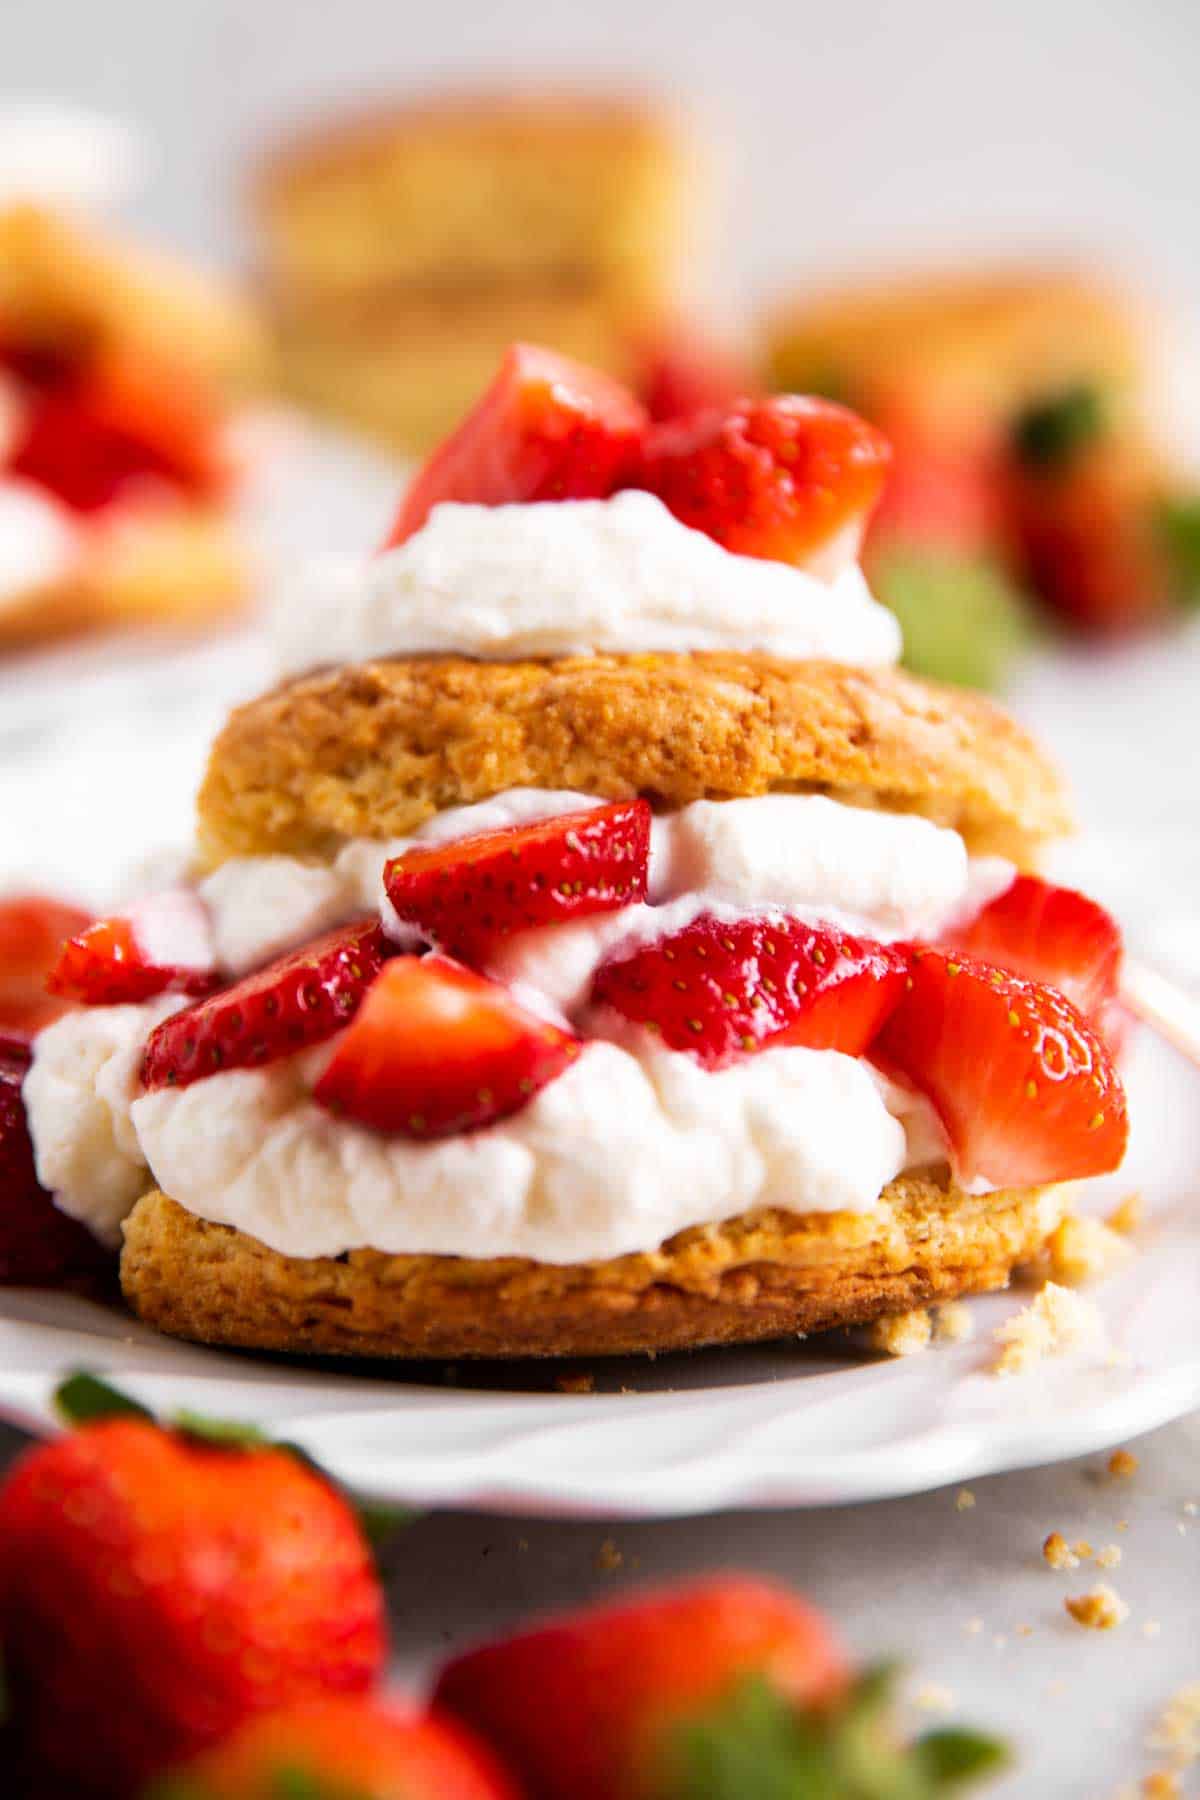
<point x="631" y="1144"/>
<point x="614" y="1157"/>
<point x="39" y="543"/>
<point x="66" y="156"/>
<point x="79" y="1094"/>
<point x="576" y="577"/>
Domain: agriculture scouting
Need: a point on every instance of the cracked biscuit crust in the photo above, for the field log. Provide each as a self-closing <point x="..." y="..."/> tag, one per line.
<point x="372" y="749"/>
<point x="765" y="1275"/>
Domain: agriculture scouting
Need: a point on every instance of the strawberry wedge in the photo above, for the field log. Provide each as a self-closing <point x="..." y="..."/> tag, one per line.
<point x="1022" y="1083"/>
<point x="436" y="1050"/>
<point x="723" y="991"/>
<point x="160" y="945"/>
<point x="32" y="930"/>
<point x="786" y="479"/>
<point x="297" y="1001"/>
<point x="546" y="429"/>
<point x="1050" y="934"/>
<point x="464" y="895"/>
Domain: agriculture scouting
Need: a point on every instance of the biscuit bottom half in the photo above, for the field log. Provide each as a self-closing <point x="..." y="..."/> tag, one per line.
<point x="766" y="1274"/>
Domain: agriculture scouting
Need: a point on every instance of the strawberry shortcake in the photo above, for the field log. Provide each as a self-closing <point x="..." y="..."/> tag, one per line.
<point x="598" y="944"/>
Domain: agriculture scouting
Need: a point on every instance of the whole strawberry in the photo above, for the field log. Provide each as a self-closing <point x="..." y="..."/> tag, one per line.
<point x="342" y="1749"/>
<point x="39" y="1246"/>
<point x="157" y="1590"/>
<point x="726" y="1689"/>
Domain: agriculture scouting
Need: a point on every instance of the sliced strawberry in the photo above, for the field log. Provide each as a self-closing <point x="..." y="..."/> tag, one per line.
<point x="436" y="1049"/>
<point x="462" y="896"/>
<point x="684" y="371"/>
<point x="1025" y="1088"/>
<point x="38" y="1244"/>
<point x="722" y="991"/>
<point x="119" y="424"/>
<point x="33" y="928"/>
<point x="546" y="429"/>
<point x="781" y="478"/>
<point x="1050" y="934"/>
<point x="299" y="1000"/>
<point x="160" y="945"/>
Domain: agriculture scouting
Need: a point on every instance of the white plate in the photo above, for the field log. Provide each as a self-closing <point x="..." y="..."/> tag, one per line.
<point x="791" y="1425"/>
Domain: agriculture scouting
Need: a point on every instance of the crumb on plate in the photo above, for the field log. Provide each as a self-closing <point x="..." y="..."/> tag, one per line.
<point x="1122" y="1464"/>
<point x="954" y="1323"/>
<point x="1057" y="1320"/>
<point x="901" y="1334"/>
<point x="1100" y="1610"/>
<point x="1058" y="1553"/>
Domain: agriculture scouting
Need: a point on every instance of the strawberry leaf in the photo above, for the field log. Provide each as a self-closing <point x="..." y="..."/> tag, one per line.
<point x="1050" y="433"/>
<point x="754" y="1745"/>
<point x="84" y="1399"/>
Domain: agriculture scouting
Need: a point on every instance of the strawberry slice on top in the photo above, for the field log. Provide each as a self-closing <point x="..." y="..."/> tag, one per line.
<point x="1024" y="1086"/>
<point x="464" y="895"/>
<point x="788" y="478"/>
<point x="546" y="429"/>
<point x="723" y="991"/>
<point x="1050" y="934"/>
<point x="161" y="944"/>
<point x="299" y="1000"/>
<point x="436" y="1049"/>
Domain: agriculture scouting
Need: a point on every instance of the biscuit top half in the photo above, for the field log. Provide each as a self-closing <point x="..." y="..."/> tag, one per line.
<point x="373" y="749"/>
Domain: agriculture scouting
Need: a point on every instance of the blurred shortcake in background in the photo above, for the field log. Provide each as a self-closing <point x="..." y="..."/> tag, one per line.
<point x="1029" y="476"/>
<point x="119" y="369"/>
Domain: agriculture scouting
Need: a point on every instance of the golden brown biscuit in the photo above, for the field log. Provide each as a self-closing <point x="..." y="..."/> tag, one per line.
<point x="768" y="1274"/>
<point x="371" y="750"/>
<point x="63" y="280"/>
<point x="964" y="347"/>
<point x="475" y="189"/>
<point x="180" y="566"/>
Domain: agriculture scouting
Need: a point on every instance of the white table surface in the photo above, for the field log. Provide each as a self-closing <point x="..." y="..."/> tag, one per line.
<point x="99" y="753"/>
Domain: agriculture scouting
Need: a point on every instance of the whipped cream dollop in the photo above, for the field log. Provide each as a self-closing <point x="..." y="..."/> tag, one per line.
<point x="575" y="577"/>
<point x="615" y="1156"/>
<point x="39" y="543"/>
<point x="632" y="1143"/>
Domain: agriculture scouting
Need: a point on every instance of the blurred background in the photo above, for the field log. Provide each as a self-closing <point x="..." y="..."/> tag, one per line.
<point x="972" y="223"/>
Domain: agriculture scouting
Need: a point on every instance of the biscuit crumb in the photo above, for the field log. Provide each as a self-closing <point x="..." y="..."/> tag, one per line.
<point x="1126" y="1216"/>
<point x="964" y="1500"/>
<point x="575" y="1384"/>
<point x="1101" y="1610"/>
<point x="1058" y="1552"/>
<point x="1122" y="1464"/>
<point x="933" y="1697"/>
<point x="954" y="1323"/>
<point x="1082" y="1250"/>
<point x="973" y="1627"/>
<point x="1151" y="1629"/>
<point x="1109" y="1557"/>
<point x="1024" y="1630"/>
<point x="1160" y="1784"/>
<point x="901" y="1334"/>
<point x="1057" y="1320"/>
<point x="1082" y="1549"/>
<point x="1191" y="1508"/>
<point x="608" y="1558"/>
<point x="1177" y="1728"/>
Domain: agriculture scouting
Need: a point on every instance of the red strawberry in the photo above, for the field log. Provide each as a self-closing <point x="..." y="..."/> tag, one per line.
<point x="155" y="1591"/>
<point x="436" y="1049"/>
<point x="1050" y="934"/>
<point x="684" y="371"/>
<point x="546" y="429"/>
<point x="464" y="895"/>
<point x="119" y="424"/>
<point x="39" y="1246"/>
<point x="781" y="478"/>
<point x="119" y="960"/>
<point x="32" y="930"/>
<point x="942" y="491"/>
<point x="299" y="1000"/>
<point x="724" y="991"/>
<point x="1025" y="1088"/>
<point x="591" y="1706"/>
<point x="343" y="1749"/>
